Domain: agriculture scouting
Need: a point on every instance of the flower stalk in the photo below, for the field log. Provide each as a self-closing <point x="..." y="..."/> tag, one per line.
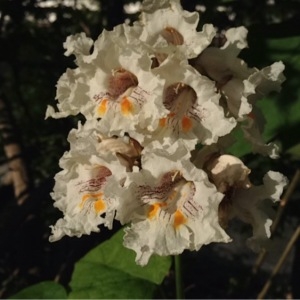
<point x="178" y="277"/>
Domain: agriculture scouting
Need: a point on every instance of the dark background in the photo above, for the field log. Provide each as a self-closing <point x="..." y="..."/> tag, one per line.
<point x="32" y="60"/>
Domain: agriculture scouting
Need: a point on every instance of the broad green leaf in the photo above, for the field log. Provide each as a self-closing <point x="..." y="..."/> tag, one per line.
<point x="42" y="290"/>
<point x="294" y="151"/>
<point x="110" y="271"/>
<point x="92" y="280"/>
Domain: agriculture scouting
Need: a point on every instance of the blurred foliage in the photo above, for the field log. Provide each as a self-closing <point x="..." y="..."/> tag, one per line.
<point x="42" y="290"/>
<point x="31" y="61"/>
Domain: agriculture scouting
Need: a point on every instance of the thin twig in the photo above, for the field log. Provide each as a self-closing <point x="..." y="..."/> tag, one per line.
<point x="282" y="206"/>
<point x="280" y="262"/>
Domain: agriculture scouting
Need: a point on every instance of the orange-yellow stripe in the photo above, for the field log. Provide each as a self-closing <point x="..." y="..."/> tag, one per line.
<point x="179" y="219"/>
<point x="126" y="106"/>
<point x="102" y="108"/>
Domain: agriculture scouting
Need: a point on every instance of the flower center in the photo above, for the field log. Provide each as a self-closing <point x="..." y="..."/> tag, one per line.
<point x="122" y="93"/>
<point x="120" y="81"/>
<point x="179" y="98"/>
<point x="172" y="36"/>
<point x="90" y="190"/>
<point x="171" y="200"/>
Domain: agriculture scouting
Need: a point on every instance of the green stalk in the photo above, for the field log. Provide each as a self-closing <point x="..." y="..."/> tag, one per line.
<point x="178" y="277"/>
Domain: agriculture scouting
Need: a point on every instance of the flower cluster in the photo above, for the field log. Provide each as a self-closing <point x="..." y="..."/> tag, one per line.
<point x="160" y="102"/>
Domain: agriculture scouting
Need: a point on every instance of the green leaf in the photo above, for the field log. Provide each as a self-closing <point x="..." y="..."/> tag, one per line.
<point x="110" y="271"/>
<point x="42" y="290"/>
<point x="294" y="152"/>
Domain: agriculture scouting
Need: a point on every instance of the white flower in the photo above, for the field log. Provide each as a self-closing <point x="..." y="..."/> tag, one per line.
<point x="113" y="83"/>
<point x="241" y="86"/>
<point x="165" y="27"/>
<point x="171" y="206"/>
<point x="80" y="194"/>
<point x="193" y="106"/>
<point x="243" y="200"/>
<point x="80" y="190"/>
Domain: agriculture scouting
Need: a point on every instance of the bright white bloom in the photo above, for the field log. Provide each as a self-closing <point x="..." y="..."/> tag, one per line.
<point x="80" y="188"/>
<point x="171" y="205"/>
<point x="193" y="106"/>
<point x="80" y="194"/>
<point x="114" y="83"/>
<point x="165" y="27"/>
<point x="161" y="103"/>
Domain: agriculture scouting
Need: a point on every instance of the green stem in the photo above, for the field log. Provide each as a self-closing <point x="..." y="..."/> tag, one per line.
<point x="178" y="277"/>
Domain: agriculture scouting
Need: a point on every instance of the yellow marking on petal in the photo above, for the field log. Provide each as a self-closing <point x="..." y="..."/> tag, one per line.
<point x="154" y="208"/>
<point x="85" y="197"/>
<point x="102" y="108"/>
<point x="179" y="219"/>
<point x="163" y="122"/>
<point x="186" y="124"/>
<point x="99" y="205"/>
<point x="126" y="106"/>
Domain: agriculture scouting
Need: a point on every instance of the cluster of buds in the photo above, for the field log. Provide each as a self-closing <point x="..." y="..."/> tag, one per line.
<point x="161" y="103"/>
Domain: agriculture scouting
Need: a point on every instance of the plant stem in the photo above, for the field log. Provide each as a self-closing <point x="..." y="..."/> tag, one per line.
<point x="178" y="277"/>
<point x="286" y="197"/>
<point x="280" y="262"/>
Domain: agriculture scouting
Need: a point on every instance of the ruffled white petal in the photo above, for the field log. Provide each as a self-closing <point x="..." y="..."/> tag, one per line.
<point x="193" y="106"/>
<point x="71" y="93"/>
<point x="170" y="28"/>
<point x="79" y="45"/>
<point x="80" y="190"/>
<point x="171" y="205"/>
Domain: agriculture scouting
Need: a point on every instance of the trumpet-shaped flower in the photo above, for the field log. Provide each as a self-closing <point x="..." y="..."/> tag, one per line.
<point x="240" y="86"/>
<point x="171" y="206"/>
<point x="243" y="200"/>
<point x="166" y="28"/>
<point x="193" y="106"/>
<point x="116" y="85"/>
<point x="80" y="188"/>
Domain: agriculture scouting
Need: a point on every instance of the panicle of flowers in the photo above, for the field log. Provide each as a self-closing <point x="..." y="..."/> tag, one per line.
<point x="161" y="104"/>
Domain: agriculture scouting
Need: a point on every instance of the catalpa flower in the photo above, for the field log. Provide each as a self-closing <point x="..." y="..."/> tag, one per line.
<point x="116" y="85"/>
<point x="193" y="106"/>
<point x="80" y="194"/>
<point x="80" y="188"/>
<point x="171" y="205"/>
<point x="240" y="86"/>
<point x="166" y="28"/>
<point x="245" y="201"/>
<point x="161" y="103"/>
